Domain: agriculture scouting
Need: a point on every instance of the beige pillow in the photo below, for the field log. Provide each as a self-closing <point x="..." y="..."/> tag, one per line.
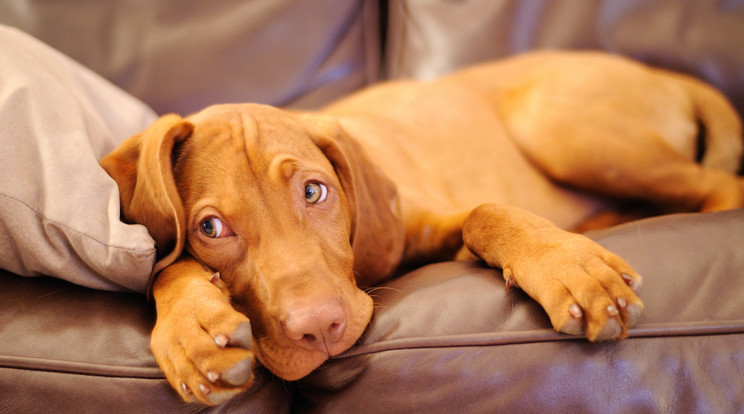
<point x="59" y="211"/>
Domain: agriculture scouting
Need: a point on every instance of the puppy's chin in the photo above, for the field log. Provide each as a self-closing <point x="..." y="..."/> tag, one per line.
<point x="291" y="362"/>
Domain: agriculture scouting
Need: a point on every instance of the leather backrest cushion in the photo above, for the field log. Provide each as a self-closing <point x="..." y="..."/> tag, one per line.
<point x="427" y="38"/>
<point x="180" y="56"/>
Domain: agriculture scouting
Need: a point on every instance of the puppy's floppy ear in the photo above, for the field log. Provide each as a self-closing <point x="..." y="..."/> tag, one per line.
<point x="377" y="234"/>
<point x="142" y="167"/>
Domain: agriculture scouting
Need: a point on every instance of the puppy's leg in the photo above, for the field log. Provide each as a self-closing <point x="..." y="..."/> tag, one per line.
<point x="431" y="237"/>
<point x="582" y="286"/>
<point x="630" y="162"/>
<point x="200" y="342"/>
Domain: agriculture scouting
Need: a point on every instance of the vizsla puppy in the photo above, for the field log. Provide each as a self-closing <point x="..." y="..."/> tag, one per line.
<point x="271" y="222"/>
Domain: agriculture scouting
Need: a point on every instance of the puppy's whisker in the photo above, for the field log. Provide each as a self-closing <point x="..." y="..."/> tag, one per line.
<point x="378" y="306"/>
<point x="370" y="290"/>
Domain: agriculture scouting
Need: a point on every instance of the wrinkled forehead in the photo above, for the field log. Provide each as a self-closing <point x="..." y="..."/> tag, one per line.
<point x="250" y="126"/>
<point x="258" y="132"/>
<point x="244" y="142"/>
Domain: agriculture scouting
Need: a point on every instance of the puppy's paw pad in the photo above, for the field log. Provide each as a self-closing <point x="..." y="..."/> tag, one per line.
<point x="572" y="327"/>
<point x="575" y="324"/>
<point x="632" y="313"/>
<point x="219" y="397"/>
<point x="242" y="336"/>
<point x="612" y="329"/>
<point x="240" y="373"/>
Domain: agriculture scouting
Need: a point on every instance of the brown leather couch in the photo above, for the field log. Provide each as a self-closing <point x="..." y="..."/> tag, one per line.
<point x="447" y="337"/>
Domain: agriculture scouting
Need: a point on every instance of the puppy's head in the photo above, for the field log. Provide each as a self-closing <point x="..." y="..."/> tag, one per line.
<point x="284" y="206"/>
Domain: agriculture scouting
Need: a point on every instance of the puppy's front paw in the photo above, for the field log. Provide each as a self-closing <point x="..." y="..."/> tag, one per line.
<point x="584" y="288"/>
<point x="202" y="344"/>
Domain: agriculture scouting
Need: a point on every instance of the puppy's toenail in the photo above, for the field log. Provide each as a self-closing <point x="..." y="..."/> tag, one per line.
<point x="509" y="279"/>
<point x="575" y="311"/>
<point x="621" y="302"/>
<point x="612" y="310"/>
<point x="185" y="388"/>
<point x="628" y="280"/>
<point x="204" y="389"/>
<point x="217" y="280"/>
<point x="213" y="376"/>
<point x="221" y="340"/>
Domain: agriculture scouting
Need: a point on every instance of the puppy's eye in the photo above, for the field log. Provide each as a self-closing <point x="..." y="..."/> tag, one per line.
<point x="214" y="228"/>
<point x="315" y="193"/>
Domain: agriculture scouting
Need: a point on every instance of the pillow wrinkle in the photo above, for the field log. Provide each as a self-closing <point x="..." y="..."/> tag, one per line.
<point x="109" y="242"/>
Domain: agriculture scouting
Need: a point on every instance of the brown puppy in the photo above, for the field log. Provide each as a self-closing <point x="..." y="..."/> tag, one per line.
<point x="278" y="218"/>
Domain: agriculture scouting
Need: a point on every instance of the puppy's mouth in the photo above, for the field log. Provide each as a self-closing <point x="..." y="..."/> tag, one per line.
<point x="298" y="344"/>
